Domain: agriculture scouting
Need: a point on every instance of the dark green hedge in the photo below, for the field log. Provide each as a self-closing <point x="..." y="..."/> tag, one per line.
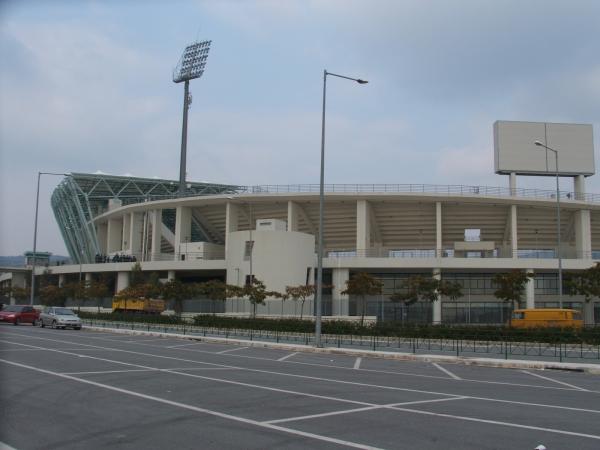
<point x="588" y="335"/>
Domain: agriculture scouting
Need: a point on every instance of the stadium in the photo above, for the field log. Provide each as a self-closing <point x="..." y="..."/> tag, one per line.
<point x="465" y="234"/>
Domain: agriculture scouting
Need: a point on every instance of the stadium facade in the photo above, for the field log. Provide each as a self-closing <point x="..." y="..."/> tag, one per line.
<point x="461" y="233"/>
<point x="465" y="234"/>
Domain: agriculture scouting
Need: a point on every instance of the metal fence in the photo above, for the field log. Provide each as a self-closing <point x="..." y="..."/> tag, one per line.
<point x="457" y="347"/>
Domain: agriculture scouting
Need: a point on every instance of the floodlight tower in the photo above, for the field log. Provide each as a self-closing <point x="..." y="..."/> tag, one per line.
<point x="190" y="66"/>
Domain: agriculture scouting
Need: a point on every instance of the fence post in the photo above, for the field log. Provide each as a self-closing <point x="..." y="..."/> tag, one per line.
<point x="505" y="350"/>
<point x="560" y="351"/>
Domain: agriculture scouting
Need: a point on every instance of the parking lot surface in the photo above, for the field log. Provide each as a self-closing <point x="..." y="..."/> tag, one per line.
<point x="86" y="389"/>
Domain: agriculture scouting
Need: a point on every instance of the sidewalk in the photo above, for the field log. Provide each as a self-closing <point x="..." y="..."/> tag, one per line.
<point x="466" y="360"/>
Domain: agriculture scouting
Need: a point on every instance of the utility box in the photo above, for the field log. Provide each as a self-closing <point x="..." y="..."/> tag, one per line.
<point x="271" y="225"/>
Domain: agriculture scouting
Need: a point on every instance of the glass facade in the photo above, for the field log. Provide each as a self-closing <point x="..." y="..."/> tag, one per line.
<point x="475" y="312"/>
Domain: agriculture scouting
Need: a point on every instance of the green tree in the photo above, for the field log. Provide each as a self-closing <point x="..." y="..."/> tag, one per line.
<point x="175" y="291"/>
<point x="216" y="290"/>
<point x="52" y="295"/>
<point x="510" y="286"/>
<point x="97" y="290"/>
<point x="136" y="276"/>
<point x="362" y="284"/>
<point x="585" y="283"/>
<point x="20" y="294"/>
<point x="302" y="293"/>
<point x="256" y="293"/>
<point x="418" y="288"/>
<point x="76" y="291"/>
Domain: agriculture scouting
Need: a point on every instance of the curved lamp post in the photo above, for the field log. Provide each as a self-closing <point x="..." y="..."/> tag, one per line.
<point x="560" y="304"/>
<point x="35" y="226"/>
<point x="319" y="288"/>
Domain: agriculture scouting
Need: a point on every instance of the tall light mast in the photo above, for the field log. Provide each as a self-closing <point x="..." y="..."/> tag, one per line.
<point x="190" y="66"/>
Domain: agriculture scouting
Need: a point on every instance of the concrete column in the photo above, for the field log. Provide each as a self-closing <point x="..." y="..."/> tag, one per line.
<point x="183" y="228"/>
<point x="293" y="216"/>
<point x="126" y="243"/>
<point x="579" y="187"/>
<point x="512" y="183"/>
<point x="122" y="281"/>
<point x="513" y="230"/>
<point x="136" y="234"/>
<point x="61" y="280"/>
<point x="102" y="233"/>
<point x="115" y="235"/>
<point x="156" y="234"/>
<point x="231" y="221"/>
<point x="88" y="277"/>
<point x="340" y="303"/>
<point x="588" y="313"/>
<point x="437" y="304"/>
<point x="171" y="275"/>
<point x="530" y="291"/>
<point x="583" y="234"/>
<point x="438" y="229"/>
<point x="363" y="227"/>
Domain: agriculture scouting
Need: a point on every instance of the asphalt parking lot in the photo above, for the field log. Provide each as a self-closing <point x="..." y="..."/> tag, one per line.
<point x="82" y="389"/>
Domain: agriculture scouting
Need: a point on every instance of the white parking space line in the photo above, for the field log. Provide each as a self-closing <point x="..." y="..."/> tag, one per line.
<point x="183" y="345"/>
<point x="238" y="383"/>
<point x="368" y="408"/>
<point x="446" y="371"/>
<point x="331" y="380"/>
<point x="197" y="409"/>
<point x="555" y="381"/>
<point x="357" y="363"/>
<point x="101" y="372"/>
<point x="19" y="350"/>
<point x="275" y="427"/>
<point x="408" y="374"/>
<point x="283" y="358"/>
<point x="148" y="340"/>
<point x="4" y="446"/>
<point x="230" y="350"/>
<point x="497" y="422"/>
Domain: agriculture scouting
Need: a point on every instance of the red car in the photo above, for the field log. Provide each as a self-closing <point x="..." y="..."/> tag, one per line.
<point x="17" y="314"/>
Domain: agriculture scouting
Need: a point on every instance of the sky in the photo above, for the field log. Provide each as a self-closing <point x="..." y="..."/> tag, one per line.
<point x="87" y="86"/>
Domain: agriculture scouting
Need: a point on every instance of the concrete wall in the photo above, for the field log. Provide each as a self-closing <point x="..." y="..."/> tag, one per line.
<point x="279" y="259"/>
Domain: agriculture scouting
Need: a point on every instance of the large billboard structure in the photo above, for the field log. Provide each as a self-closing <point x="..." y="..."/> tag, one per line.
<point x="515" y="150"/>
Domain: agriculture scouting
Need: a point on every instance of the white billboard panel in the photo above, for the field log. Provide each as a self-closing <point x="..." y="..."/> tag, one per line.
<point x="515" y="151"/>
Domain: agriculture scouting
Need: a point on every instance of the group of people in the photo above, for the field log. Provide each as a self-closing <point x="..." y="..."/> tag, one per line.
<point x="115" y="258"/>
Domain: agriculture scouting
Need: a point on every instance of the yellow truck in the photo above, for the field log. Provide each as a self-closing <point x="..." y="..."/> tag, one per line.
<point x="138" y="305"/>
<point x="546" y="317"/>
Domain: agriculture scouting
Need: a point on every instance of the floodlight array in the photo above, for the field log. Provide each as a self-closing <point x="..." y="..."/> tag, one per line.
<point x="192" y="62"/>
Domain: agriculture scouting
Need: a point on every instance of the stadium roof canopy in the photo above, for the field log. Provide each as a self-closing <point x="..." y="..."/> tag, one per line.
<point x="82" y="196"/>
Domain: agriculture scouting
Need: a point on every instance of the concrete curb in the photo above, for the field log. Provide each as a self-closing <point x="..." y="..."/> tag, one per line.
<point x="466" y="360"/>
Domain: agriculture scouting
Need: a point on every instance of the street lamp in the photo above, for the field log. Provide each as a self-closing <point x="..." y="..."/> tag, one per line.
<point x="539" y="144"/>
<point x="37" y="202"/>
<point x="319" y="288"/>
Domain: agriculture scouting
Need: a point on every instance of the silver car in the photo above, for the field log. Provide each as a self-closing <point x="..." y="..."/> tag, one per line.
<point x="58" y="317"/>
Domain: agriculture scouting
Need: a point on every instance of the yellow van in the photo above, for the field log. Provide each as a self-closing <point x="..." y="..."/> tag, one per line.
<point x="546" y="317"/>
